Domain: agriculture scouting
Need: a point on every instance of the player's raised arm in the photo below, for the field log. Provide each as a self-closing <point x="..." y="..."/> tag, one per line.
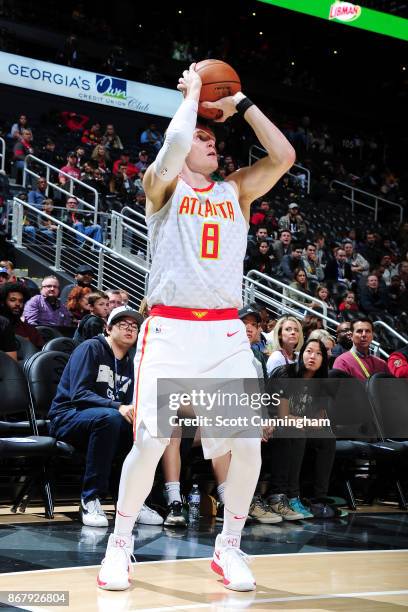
<point x="254" y="181"/>
<point x="161" y="177"/>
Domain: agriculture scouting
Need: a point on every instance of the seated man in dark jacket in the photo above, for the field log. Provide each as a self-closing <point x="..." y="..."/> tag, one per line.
<point x="93" y="406"/>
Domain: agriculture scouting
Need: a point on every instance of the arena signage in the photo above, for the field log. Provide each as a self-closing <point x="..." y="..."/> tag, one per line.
<point x="349" y="14"/>
<point x="87" y="86"/>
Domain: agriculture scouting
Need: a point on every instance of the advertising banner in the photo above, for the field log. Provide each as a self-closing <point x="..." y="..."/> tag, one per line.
<point x="87" y="86"/>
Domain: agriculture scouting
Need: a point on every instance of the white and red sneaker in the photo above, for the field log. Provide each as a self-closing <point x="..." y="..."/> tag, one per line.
<point x="230" y="562"/>
<point x="117" y="564"/>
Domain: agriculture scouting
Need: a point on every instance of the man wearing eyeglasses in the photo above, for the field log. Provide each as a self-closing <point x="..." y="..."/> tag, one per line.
<point x="46" y="308"/>
<point x="93" y="409"/>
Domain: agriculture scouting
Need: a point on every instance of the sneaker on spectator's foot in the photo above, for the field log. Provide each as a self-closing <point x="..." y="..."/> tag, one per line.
<point x="297" y="506"/>
<point x="176" y="515"/>
<point x="220" y="513"/>
<point x="261" y="512"/>
<point x="280" y="505"/>
<point x="230" y="562"/>
<point x="92" y="513"/>
<point x="117" y="564"/>
<point x="148" y="516"/>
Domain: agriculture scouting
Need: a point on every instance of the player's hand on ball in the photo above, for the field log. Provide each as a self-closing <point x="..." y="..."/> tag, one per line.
<point x="226" y="105"/>
<point x="190" y="81"/>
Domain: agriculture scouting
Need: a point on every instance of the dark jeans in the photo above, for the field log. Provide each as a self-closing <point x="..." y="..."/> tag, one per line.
<point x="324" y="452"/>
<point x="286" y="462"/>
<point x="102" y="433"/>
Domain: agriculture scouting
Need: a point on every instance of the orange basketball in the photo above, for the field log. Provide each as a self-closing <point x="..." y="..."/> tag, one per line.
<point x="219" y="80"/>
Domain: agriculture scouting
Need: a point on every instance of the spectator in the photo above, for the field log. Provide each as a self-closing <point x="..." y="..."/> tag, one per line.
<point x="309" y="323"/>
<point x="300" y="283"/>
<point x="74" y="122"/>
<point x="314" y="271"/>
<point x="21" y="149"/>
<point x="78" y="221"/>
<point x="84" y="277"/>
<point x="373" y="298"/>
<point x="93" y="323"/>
<point x="344" y="341"/>
<point x="50" y="155"/>
<point x="390" y="269"/>
<point x="71" y="168"/>
<point x="17" y="128"/>
<point x="143" y="161"/>
<point x="259" y="215"/>
<point x="125" y="297"/>
<point x="102" y="157"/>
<point x="370" y="251"/>
<point x="115" y="299"/>
<point x="4" y="276"/>
<point x="252" y="320"/>
<point x="13" y="296"/>
<point x="93" y="407"/>
<point x="322" y="254"/>
<point x="398" y="296"/>
<point x="283" y="246"/>
<point x="6" y="263"/>
<point x="8" y="342"/>
<point x="324" y="336"/>
<point x="92" y="136"/>
<point x="124" y="159"/>
<point x="290" y="263"/>
<point x="288" y="452"/>
<point x="287" y="338"/>
<point x="398" y="363"/>
<point x="46" y="308"/>
<point x="359" y="265"/>
<point x="46" y="226"/>
<point x="110" y="139"/>
<point x="357" y="362"/>
<point x="77" y="303"/>
<point x="293" y="222"/>
<point x="37" y="196"/>
<point x="338" y="270"/>
<point x="261" y="260"/>
<point x="349" y="302"/>
<point x="323" y="294"/>
<point x="151" y="136"/>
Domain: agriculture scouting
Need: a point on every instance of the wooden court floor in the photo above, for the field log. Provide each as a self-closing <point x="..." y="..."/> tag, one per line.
<point x="368" y="581"/>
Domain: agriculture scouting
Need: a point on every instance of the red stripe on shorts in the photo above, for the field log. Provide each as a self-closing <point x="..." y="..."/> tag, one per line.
<point x="138" y="375"/>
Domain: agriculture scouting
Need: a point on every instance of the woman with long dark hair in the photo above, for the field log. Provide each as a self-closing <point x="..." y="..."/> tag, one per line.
<point x="288" y="444"/>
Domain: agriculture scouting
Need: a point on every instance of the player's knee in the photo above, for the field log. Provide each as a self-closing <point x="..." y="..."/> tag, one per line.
<point x="249" y="450"/>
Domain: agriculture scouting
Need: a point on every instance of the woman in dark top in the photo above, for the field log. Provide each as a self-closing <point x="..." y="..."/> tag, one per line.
<point x="289" y="443"/>
<point x="261" y="260"/>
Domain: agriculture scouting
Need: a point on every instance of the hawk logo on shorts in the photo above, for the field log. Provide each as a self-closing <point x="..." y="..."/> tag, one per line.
<point x="397" y="363"/>
<point x="199" y="313"/>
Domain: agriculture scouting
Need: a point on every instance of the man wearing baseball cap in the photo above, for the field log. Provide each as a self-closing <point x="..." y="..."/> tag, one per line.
<point x="293" y="222"/>
<point x="93" y="409"/>
<point x="84" y="276"/>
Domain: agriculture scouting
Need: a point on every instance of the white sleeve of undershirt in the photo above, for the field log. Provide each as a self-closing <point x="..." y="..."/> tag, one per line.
<point x="177" y="144"/>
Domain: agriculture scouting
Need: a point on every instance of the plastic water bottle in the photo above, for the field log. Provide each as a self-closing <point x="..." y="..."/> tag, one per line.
<point x="194" y="504"/>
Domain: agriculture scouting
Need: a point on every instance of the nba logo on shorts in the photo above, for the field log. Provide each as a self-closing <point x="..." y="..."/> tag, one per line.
<point x="111" y="87"/>
<point x="157" y="329"/>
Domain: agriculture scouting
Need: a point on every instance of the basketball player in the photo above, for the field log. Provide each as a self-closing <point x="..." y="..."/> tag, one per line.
<point x="198" y="231"/>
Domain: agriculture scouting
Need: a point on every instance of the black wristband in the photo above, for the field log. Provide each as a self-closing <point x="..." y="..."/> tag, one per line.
<point x="243" y="106"/>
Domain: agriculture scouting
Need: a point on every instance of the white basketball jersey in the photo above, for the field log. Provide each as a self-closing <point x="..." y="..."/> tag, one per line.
<point x="198" y="244"/>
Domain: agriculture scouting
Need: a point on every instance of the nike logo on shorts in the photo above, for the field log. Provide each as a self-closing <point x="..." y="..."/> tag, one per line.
<point x="229" y="334"/>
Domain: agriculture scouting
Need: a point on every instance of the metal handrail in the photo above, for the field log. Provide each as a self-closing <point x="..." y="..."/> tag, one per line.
<point x="119" y="222"/>
<point x="134" y="212"/>
<point x="376" y="198"/>
<point x="286" y="287"/>
<point x="72" y="180"/>
<point x="391" y="330"/>
<point x="96" y="244"/>
<point x="2" y="154"/>
<point x="249" y="295"/>
<point x="299" y="166"/>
